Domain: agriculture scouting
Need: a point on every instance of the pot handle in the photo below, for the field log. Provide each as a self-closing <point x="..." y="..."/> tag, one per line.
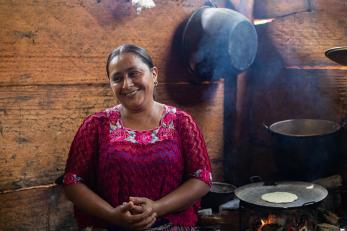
<point x="266" y="126"/>
<point x="255" y="179"/>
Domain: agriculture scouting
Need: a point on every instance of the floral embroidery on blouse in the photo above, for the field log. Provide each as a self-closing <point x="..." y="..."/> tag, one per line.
<point x="203" y="174"/>
<point x="166" y="129"/>
<point x="71" y="179"/>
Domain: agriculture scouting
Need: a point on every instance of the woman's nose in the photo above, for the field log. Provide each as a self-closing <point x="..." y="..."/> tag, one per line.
<point x="127" y="82"/>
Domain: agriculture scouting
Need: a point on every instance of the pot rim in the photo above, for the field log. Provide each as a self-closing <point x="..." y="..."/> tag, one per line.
<point x="335" y="127"/>
<point x="231" y="188"/>
<point x="337" y="54"/>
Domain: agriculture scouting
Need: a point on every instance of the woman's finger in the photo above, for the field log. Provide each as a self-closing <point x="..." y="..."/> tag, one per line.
<point x="148" y="222"/>
<point x="136" y="209"/>
<point x="138" y="200"/>
<point x="125" y="207"/>
<point x="139" y="217"/>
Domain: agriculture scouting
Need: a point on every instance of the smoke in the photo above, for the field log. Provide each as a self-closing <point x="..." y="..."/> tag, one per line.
<point x="212" y="58"/>
<point x="227" y="46"/>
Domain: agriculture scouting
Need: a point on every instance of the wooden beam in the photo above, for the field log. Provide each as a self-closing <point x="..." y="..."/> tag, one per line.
<point x="279" y="8"/>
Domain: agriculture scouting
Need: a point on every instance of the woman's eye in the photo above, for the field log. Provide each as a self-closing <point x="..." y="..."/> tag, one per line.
<point x="134" y="73"/>
<point x="116" y="78"/>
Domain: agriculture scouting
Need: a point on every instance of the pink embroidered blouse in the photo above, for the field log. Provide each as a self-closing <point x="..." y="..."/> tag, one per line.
<point x="117" y="162"/>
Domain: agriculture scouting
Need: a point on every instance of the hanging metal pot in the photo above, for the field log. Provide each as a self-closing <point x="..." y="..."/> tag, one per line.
<point x="306" y="149"/>
<point x="218" y="41"/>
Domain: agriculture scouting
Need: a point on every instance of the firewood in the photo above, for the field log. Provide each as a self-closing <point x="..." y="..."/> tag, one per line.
<point x="329" y="216"/>
<point x="303" y="228"/>
<point x="271" y="227"/>
<point x="329" y="182"/>
<point x="327" y="227"/>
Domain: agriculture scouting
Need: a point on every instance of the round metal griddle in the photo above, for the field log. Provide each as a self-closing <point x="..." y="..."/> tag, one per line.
<point x="307" y="193"/>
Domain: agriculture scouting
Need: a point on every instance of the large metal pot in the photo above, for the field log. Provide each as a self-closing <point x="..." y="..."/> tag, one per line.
<point x="306" y="149"/>
<point x="218" y="41"/>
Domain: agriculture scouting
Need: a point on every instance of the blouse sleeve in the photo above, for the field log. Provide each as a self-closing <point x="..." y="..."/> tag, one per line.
<point x="197" y="162"/>
<point x="83" y="150"/>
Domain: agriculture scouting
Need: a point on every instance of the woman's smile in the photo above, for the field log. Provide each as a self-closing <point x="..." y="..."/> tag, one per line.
<point x="129" y="93"/>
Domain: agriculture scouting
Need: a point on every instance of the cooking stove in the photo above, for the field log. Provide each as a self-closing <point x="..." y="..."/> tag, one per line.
<point x="315" y="208"/>
<point x="257" y="214"/>
<point x="259" y="218"/>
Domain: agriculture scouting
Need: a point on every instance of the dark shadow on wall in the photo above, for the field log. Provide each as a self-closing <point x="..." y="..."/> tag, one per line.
<point x="199" y="93"/>
<point x="252" y="150"/>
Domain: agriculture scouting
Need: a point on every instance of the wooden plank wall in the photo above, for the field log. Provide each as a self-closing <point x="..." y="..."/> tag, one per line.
<point x="52" y="74"/>
<point x="52" y="58"/>
<point x="291" y="77"/>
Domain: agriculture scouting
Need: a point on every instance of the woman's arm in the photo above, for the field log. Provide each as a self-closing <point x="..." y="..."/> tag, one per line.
<point x="178" y="200"/>
<point x="90" y="202"/>
<point x="181" y="198"/>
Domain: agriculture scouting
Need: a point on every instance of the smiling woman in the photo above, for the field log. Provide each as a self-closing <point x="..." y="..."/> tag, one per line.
<point x="140" y="165"/>
<point x="132" y="79"/>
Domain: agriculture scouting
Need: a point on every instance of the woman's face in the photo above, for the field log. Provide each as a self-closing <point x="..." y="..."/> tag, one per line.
<point x="132" y="81"/>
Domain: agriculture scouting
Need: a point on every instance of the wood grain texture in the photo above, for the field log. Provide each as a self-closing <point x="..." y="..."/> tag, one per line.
<point x="52" y="74"/>
<point x="68" y="41"/>
<point x="279" y="8"/>
<point x="337" y="7"/>
<point x="24" y="210"/>
<point x="301" y="39"/>
<point x="39" y="122"/>
<point x="36" y="209"/>
<point x="282" y="8"/>
<point x="61" y="216"/>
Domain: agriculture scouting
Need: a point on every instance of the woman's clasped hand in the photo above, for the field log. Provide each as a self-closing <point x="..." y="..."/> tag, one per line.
<point x="133" y="216"/>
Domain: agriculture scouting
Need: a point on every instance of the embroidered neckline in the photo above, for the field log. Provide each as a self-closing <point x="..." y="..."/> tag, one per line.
<point x="118" y="132"/>
<point x="163" y="114"/>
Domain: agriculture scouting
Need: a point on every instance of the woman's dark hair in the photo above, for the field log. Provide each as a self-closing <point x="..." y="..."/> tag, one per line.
<point x="130" y="48"/>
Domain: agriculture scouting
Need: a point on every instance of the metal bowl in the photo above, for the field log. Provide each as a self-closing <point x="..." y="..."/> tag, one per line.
<point x="219" y="194"/>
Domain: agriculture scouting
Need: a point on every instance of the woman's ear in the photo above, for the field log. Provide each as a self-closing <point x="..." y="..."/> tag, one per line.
<point x="155" y="73"/>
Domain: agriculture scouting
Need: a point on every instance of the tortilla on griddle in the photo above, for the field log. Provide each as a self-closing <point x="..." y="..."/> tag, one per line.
<point x="279" y="197"/>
